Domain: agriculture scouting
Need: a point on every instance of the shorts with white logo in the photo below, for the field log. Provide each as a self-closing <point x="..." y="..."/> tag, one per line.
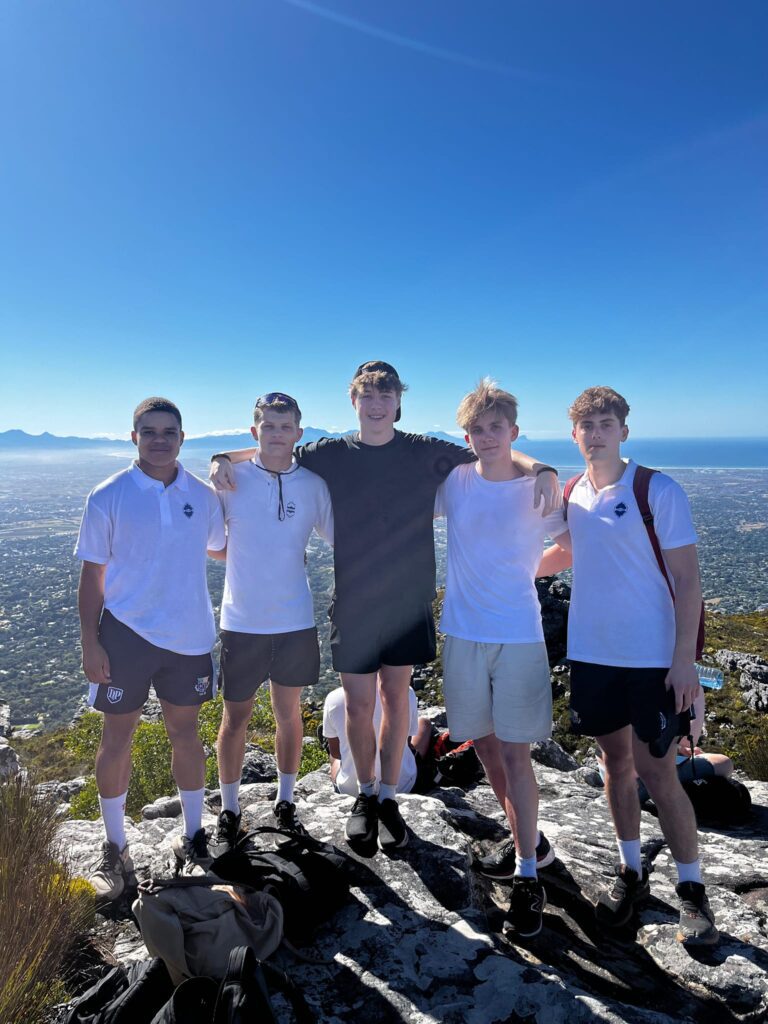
<point x="248" y="659"/>
<point x="606" y="698"/>
<point x="497" y="688"/>
<point x="183" y="680"/>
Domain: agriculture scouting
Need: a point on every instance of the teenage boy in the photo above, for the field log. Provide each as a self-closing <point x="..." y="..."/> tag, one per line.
<point x="146" y="618"/>
<point x="267" y="619"/>
<point x="495" y="667"/>
<point x="383" y="484"/>
<point x="632" y="651"/>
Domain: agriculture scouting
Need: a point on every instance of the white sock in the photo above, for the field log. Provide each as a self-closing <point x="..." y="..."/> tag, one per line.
<point x="386" y="792"/>
<point x="229" y="796"/>
<point x="525" y="867"/>
<point x="113" y="816"/>
<point x="367" y="788"/>
<point x="688" y="872"/>
<point x="192" y="809"/>
<point x="629" y="852"/>
<point x="285" y="784"/>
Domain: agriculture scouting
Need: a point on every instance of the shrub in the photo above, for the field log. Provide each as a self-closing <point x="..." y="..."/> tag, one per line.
<point x="42" y="909"/>
<point x="312" y="757"/>
<point x="754" y="757"/>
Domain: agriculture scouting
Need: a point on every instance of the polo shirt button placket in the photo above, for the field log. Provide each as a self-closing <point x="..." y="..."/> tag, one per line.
<point x="165" y="507"/>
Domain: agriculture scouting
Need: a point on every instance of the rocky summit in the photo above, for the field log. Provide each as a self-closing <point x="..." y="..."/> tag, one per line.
<point x="420" y="940"/>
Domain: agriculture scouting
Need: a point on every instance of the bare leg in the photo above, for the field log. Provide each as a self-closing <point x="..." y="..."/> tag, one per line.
<point x="230" y="745"/>
<point x="113" y="758"/>
<point x="420" y="742"/>
<point x="489" y="751"/>
<point x="523" y="794"/>
<point x="394" y="681"/>
<point x="621" y="782"/>
<point x="188" y="761"/>
<point x="286" y="705"/>
<point x="676" y="815"/>
<point x="360" y="700"/>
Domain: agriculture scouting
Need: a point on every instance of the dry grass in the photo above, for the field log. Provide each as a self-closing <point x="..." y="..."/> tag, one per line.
<point x="41" y="909"/>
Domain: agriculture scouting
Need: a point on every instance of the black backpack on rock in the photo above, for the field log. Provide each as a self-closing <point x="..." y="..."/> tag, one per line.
<point x="308" y="877"/>
<point x="719" y="801"/>
<point x="143" y="994"/>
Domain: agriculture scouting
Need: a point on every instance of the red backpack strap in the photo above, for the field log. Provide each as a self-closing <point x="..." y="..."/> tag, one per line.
<point x="567" y="490"/>
<point x="640" y="487"/>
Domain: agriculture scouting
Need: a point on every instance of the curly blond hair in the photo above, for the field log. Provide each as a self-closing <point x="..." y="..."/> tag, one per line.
<point x="485" y="397"/>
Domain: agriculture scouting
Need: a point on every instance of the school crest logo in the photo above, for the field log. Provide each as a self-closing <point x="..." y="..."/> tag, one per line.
<point x="114" y="694"/>
<point x="620" y="509"/>
<point x="290" y="508"/>
<point x="188" y="511"/>
<point x="202" y="684"/>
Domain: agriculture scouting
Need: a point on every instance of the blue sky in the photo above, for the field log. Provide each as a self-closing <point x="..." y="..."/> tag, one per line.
<point x="213" y="201"/>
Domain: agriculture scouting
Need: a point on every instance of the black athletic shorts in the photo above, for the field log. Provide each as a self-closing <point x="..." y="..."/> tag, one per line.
<point x="605" y="699"/>
<point x="180" y="679"/>
<point x="366" y="636"/>
<point x="247" y="659"/>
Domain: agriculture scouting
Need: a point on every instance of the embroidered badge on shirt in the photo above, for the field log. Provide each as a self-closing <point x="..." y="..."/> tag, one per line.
<point x="114" y="694"/>
<point x="290" y="509"/>
<point x="202" y="684"/>
<point x="188" y="511"/>
<point x="619" y="509"/>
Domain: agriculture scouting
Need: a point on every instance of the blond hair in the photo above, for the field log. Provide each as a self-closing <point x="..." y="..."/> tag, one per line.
<point x="599" y="399"/>
<point x="486" y="397"/>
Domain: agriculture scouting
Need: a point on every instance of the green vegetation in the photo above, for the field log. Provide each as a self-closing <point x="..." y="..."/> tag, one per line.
<point x="42" y="908"/>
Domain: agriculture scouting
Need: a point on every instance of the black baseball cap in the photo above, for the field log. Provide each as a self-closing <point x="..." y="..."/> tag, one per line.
<point x="379" y="366"/>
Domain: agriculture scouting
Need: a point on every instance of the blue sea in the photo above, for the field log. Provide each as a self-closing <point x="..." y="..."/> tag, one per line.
<point x="664" y="453"/>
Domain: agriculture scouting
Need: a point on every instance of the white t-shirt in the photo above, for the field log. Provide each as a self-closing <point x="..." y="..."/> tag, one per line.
<point x="334" y="727"/>
<point x="621" y="611"/>
<point x="153" y="541"/>
<point x="495" y="543"/>
<point x="266" y="588"/>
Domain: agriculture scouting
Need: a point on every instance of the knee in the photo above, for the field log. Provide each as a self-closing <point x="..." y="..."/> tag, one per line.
<point x="182" y="734"/>
<point x="233" y="723"/>
<point x="620" y="767"/>
<point x="359" y="707"/>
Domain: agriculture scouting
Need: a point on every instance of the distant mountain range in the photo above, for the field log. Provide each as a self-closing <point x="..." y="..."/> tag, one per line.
<point x="19" y="440"/>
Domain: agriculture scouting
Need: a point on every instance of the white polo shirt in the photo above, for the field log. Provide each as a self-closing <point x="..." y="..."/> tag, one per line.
<point x="495" y="543"/>
<point x="266" y="588"/>
<point x="153" y="541"/>
<point x="334" y="727"/>
<point x="621" y="611"/>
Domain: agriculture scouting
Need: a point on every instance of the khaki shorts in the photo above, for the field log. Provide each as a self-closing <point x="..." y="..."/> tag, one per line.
<point x="497" y="688"/>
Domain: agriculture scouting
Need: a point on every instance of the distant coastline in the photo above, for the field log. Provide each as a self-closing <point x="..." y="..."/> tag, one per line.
<point x="663" y="453"/>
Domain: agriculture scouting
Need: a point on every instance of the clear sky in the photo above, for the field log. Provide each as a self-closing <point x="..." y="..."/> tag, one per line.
<point x="214" y="200"/>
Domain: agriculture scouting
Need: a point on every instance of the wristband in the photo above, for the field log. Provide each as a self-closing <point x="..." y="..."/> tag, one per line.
<point x="543" y="469"/>
<point x="219" y="456"/>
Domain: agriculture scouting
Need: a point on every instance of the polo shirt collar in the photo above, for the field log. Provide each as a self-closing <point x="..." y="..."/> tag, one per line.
<point x="257" y="461"/>
<point x="625" y="481"/>
<point x="146" y="483"/>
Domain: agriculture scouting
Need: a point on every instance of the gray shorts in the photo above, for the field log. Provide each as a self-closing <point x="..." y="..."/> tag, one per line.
<point x="183" y="680"/>
<point x="248" y="659"/>
<point x="497" y="688"/>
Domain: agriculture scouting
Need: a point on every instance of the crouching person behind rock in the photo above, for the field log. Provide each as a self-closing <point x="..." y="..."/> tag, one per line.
<point x="146" y="618"/>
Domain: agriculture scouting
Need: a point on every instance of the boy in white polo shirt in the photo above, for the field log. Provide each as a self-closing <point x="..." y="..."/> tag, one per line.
<point x="496" y="672"/>
<point x="146" y="618"/>
<point x="632" y="648"/>
<point x="267" y="618"/>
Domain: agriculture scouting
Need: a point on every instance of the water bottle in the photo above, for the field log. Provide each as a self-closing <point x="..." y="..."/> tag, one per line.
<point x="710" y="676"/>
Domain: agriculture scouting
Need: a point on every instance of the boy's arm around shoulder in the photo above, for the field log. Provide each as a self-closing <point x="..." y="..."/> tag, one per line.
<point x="547" y="490"/>
<point x="221" y="472"/>
<point x="557" y="557"/>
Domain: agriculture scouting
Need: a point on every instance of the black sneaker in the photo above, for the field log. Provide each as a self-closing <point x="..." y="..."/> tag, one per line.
<point x="362" y="823"/>
<point x="192" y="856"/>
<point x="285" y="813"/>
<point x="524" y="919"/>
<point x="614" y="907"/>
<point x="392" y="831"/>
<point x="697" y="922"/>
<point x="500" y="864"/>
<point x="226" y="835"/>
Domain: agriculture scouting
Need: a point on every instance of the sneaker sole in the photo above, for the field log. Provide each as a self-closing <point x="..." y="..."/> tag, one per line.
<point x="363" y="848"/>
<point x="388" y="847"/>
<point x="709" y="939"/>
<point x="509" y="930"/>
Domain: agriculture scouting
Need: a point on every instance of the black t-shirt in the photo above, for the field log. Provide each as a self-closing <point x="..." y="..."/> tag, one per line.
<point x="383" y="500"/>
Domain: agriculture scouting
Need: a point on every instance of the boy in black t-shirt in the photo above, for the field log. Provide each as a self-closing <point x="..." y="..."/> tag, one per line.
<point x="383" y="484"/>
